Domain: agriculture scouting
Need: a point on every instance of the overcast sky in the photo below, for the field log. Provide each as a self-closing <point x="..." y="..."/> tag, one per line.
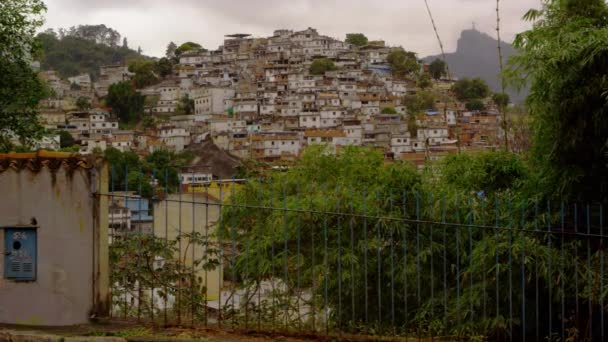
<point x="152" y="24"/>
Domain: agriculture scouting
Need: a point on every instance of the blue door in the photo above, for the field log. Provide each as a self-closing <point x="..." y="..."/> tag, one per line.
<point x="20" y="253"/>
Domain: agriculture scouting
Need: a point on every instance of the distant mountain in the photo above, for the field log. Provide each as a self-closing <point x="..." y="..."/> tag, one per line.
<point x="477" y="56"/>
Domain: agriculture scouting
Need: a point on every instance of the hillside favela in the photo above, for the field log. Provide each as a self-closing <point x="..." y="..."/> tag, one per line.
<point x="302" y="171"/>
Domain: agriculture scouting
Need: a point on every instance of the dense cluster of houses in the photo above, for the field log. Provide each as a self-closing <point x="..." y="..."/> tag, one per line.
<point x="255" y="98"/>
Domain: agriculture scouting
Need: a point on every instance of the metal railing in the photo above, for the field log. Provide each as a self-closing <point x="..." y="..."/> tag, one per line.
<point x="385" y="262"/>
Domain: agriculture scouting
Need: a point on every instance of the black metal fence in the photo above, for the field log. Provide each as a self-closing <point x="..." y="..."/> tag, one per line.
<point x="349" y="260"/>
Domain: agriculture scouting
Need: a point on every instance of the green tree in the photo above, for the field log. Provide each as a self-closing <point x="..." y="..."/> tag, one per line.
<point x="424" y="80"/>
<point x="72" y="55"/>
<point x="145" y="73"/>
<point x="126" y="103"/>
<point x="564" y="60"/>
<point x="164" y="67"/>
<point x="467" y="89"/>
<point x="501" y="100"/>
<point x="438" y="68"/>
<point x="83" y="103"/>
<point x="475" y="105"/>
<point x="357" y="39"/>
<point x="403" y="63"/>
<point x="321" y="65"/>
<point x="185" y="105"/>
<point x="66" y="139"/>
<point x="20" y="87"/>
<point x="170" y="52"/>
<point x="420" y="102"/>
<point x="388" y="110"/>
<point x="187" y="46"/>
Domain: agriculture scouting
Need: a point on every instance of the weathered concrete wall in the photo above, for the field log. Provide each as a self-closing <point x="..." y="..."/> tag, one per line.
<point x="64" y="292"/>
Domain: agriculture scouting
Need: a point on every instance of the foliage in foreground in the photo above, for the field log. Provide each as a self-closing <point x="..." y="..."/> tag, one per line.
<point x="564" y="57"/>
<point x="342" y="228"/>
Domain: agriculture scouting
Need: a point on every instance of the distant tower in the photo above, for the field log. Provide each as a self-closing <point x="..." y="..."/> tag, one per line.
<point x="474" y="26"/>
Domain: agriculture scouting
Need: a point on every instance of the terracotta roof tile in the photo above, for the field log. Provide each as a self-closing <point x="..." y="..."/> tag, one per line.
<point x="35" y="161"/>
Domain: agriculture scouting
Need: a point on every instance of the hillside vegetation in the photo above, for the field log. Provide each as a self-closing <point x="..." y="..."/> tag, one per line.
<point x="83" y="49"/>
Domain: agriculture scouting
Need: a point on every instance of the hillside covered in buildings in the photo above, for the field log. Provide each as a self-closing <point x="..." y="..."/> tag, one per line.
<point x="267" y="98"/>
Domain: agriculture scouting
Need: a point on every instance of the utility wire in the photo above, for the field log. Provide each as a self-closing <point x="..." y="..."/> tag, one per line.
<point x="501" y="107"/>
<point x="447" y="67"/>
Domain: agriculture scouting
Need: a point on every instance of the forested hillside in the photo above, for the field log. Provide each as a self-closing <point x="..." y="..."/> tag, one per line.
<point x="83" y="49"/>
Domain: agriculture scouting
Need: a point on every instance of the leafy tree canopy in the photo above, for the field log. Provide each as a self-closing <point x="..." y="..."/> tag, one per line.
<point x="501" y="99"/>
<point x="467" y="89"/>
<point x="321" y="65"/>
<point x="66" y="139"/>
<point x="475" y="104"/>
<point x="170" y="52"/>
<point x="403" y="63"/>
<point x="388" y="110"/>
<point x="187" y="46"/>
<point x="185" y="105"/>
<point x="71" y="55"/>
<point x="357" y="39"/>
<point x="420" y="102"/>
<point x="83" y="103"/>
<point x="564" y="59"/>
<point x="424" y="80"/>
<point x="20" y="87"/>
<point x="438" y="68"/>
<point x="127" y="104"/>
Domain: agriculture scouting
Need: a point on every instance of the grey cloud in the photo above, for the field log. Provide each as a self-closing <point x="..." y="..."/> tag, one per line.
<point x="153" y="23"/>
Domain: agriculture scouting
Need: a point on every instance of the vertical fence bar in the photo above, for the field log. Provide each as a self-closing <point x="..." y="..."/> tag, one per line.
<point x="125" y="197"/>
<point x="550" y="267"/>
<point x="298" y="257"/>
<point x="405" y="294"/>
<point x="272" y="253"/>
<point x="339" y="214"/>
<point x="445" y="265"/>
<point x="471" y="318"/>
<point x="233" y="251"/>
<point x="112" y="232"/>
<point x="589" y="300"/>
<point x="392" y="243"/>
<point x="496" y="264"/>
<point x="510" y="227"/>
<point x="430" y="214"/>
<point x="220" y="253"/>
<point x="562" y="273"/>
<point x="457" y="236"/>
<point x="193" y="245"/>
<point x="352" y="258"/>
<point x="418" y="296"/>
<point x="537" y="308"/>
<point x="246" y="278"/>
<point x="206" y="260"/>
<point x="313" y="264"/>
<point x="285" y="255"/>
<point x="523" y="271"/>
<point x="325" y="262"/>
<point x="139" y="237"/>
<point x="483" y="265"/>
<point x="576" y="264"/>
<point x="166" y="241"/>
<point x="259" y="279"/>
<point x="365" y="258"/>
<point x="153" y="235"/>
<point x="602" y="270"/>
<point x="378" y="225"/>
<point x="179" y="254"/>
